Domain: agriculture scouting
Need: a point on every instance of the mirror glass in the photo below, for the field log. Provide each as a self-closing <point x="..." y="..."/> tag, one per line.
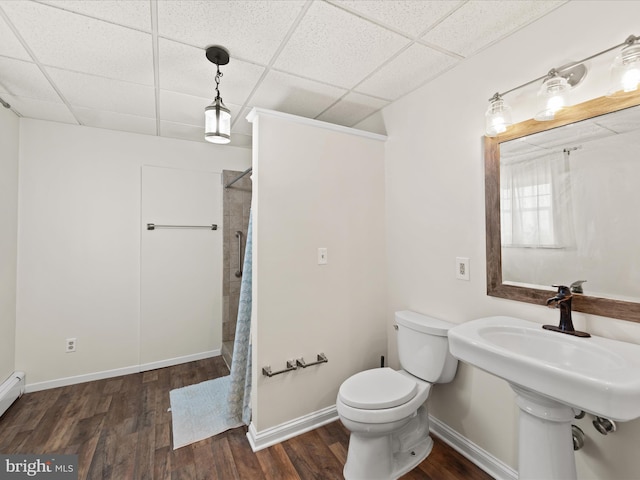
<point x="562" y="200"/>
<point x="569" y="200"/>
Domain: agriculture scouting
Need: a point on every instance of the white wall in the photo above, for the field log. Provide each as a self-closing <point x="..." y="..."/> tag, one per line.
<point x="435" y="212"/>
<point x="79" y="242"/>
<point x="9" y="138"/>
<point x="181" y="269"/>
<point x="314" y="187"/>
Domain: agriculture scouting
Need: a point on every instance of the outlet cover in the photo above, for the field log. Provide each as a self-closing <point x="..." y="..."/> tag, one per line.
<point x="462" y="268"/>
<point x="70" y="345"/>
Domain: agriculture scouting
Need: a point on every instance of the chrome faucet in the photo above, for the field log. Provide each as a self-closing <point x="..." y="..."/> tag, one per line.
<point x="562" y="300"/>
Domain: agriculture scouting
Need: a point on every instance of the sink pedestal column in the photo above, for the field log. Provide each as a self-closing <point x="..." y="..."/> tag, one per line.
<point x="545" y="448"/>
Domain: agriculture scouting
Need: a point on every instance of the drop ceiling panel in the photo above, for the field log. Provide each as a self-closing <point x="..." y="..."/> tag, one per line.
<point x="181" y="131"/>
<point x="352" y="109"/>
<point x="185" y="69"/>
<point x="135" y="14"/>
<point x="250" y="30"/>
<point x="27" y="80"/>
<point x="413" y="17"/>
<point x="406" y="72"/>
<point x="75" y="42"/>
<point x="102" y="93"/>
<point x="115" y="121"/>
<point x="182" y="108"/>
<point x="334" y="60"/>
<point x="10" y="46"/>
<point x="337" y="47"/>
<point x="289" y="94"/>
<point x="40" y="109"/>
<point x="478" y="23"/>
<point x="624" y="121"/>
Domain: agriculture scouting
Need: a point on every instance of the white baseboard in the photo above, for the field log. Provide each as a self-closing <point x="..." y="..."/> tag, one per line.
<point x="178" y="360"/>
<point x="483" y="459"/>
<point x="293" y="428"/>
<point x="88" y="377"/>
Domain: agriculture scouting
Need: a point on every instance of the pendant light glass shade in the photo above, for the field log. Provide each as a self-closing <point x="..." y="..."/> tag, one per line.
<point x="625" y="71"/>
<point x="217" y="122"/>
<point x="497" y="117"/>
<point x="552" y="97"/>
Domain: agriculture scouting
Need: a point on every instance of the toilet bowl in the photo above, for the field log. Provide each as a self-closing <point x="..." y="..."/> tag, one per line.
<point x="385" y="410"/>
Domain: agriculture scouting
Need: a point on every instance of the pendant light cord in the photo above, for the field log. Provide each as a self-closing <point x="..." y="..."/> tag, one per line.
<point x="218" y="76"/>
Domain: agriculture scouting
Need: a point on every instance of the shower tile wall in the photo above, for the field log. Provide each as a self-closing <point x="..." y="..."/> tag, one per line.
<point x="236" y="206"/>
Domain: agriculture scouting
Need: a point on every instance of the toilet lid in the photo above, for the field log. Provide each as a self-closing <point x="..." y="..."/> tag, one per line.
<point x="377" y="388"/>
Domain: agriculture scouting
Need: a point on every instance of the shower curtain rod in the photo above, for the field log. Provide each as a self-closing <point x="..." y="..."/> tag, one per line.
<point x="248" y="170"/>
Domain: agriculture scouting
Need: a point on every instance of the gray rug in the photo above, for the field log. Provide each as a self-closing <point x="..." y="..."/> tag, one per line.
<point x="200" y="411"/>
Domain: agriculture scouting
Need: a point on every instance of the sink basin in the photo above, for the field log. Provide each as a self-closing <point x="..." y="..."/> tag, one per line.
<point x="597" y="375"/>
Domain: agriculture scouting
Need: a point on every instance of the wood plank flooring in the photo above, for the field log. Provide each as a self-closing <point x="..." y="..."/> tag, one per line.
<point x="120" y="428"/>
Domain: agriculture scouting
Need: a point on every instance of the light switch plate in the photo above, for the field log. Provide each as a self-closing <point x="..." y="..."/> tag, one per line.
<point x="322" y="256"/>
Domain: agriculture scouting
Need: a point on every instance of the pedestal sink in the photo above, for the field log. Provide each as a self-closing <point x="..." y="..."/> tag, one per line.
<point x="552" y="374"/>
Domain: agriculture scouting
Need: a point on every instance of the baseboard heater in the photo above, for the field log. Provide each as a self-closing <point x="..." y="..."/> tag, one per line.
<point x="11" y="390"/>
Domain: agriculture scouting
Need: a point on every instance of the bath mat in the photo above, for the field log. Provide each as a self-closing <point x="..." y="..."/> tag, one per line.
<point x="200" y="411"/>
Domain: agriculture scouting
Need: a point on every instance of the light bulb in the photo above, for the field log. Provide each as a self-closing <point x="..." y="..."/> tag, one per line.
<point x="625" y="71"/>
<point x="551" y="97"/>
<point x="497" y="117"/>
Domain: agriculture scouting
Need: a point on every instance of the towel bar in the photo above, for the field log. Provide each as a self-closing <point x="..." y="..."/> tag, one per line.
<point x="291" y="365"/>
<point x="267" y="370"/>
<point x="153" y="226"/>
<point x="322" y="358"/>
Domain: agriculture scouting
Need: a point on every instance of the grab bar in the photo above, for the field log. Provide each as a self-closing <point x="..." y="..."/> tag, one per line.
<point x="153" y="226"/>
<point x="239" y="237"/>
<point x="322" y="358"/>
<point x="269" y="373"/>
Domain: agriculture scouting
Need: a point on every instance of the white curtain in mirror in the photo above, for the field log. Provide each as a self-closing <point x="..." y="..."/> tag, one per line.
<point x="535" y="202"/>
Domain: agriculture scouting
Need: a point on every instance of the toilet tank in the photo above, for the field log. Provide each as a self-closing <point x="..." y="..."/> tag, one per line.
<point x="423" y="347"/>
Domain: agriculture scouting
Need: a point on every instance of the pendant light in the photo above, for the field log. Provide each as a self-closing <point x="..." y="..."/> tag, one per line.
<point x="217" y="117"/>
<point x="625" y="71"/>
<point x="498" y="116"/>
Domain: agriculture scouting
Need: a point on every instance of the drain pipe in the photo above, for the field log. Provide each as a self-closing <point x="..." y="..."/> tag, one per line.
<point x="578" y="437"/>
<point x="576" y="432"/>
<point x="604" y="425"/>
<point x="601" y="424"/>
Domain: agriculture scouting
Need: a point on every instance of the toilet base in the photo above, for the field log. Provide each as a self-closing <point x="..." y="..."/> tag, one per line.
<point x="388" y="457"/>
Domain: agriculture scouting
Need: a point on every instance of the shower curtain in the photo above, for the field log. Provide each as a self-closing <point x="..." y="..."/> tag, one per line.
<point x="240" y="388"/>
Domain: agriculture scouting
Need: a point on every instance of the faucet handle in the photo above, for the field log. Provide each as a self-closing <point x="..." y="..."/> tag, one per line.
<point x="576" y="287"/>
<point x="563" y="290"/>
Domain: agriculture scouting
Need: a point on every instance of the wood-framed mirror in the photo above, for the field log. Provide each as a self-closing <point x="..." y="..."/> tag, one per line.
<point x="531" y="292"/>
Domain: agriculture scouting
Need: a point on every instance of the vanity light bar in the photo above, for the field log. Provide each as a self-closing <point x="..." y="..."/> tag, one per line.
<point x="631" y="39"/>
<point x="498" y="114"/>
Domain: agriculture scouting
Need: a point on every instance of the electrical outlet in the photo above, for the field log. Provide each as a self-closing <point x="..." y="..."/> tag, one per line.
<point x="462" y="268"/>
<point x="70" y="345"/>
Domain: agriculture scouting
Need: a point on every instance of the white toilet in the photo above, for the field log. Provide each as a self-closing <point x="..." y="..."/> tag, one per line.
<point x="385" y="409"/>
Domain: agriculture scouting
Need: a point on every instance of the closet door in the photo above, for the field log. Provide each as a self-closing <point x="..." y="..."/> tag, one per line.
<point x="181" y="277"/>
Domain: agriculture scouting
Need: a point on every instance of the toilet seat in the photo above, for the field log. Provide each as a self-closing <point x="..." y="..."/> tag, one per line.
<point x="377" y="389"/>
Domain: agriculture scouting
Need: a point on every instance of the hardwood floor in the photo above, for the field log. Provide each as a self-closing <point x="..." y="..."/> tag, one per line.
<point x="120" y="428"/>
